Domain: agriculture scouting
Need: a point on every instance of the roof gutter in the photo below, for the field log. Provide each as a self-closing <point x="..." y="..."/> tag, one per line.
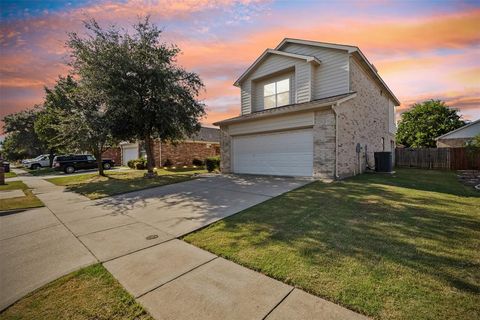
<point x="294" y="108"/>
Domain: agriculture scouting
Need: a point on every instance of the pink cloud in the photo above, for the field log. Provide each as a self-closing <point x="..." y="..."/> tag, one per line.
<point x="403" y="49"/>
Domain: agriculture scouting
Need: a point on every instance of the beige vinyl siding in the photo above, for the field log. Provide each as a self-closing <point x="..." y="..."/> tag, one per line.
<point x="291" y="121"/>
<point x="304" y="78"/>
<point x="252" y="87"/>
<point x="246" y="97"/>
<point x="257" y="89"/>
<point x="331" y="77"/>
<point x="272" y="64"/>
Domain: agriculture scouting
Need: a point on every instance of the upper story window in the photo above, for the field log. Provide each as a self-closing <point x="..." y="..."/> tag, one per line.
<point x="276" y="94"/>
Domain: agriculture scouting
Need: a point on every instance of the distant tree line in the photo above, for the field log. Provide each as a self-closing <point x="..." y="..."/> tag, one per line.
<point x="122" y="86"/>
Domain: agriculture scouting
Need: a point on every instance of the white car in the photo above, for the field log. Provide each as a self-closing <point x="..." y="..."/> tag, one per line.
<point x="40" y="161"/>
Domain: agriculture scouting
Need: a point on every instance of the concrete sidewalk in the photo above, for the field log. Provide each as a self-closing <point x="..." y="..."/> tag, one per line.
<point x="135" y="236"/>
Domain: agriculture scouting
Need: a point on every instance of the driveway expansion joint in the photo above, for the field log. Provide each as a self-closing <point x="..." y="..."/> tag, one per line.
<point x="37" y="230"/>
<point x="83" y="244"/>
<point x="279" y="303"/>
<point x="111" y="228"/>
<point x="175" y="278"/>
<point x="138" y="250"/>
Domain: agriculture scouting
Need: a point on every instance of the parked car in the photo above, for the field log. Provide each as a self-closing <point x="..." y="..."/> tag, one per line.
<point x="37" y="163"/>
<point x="74" y="162"/>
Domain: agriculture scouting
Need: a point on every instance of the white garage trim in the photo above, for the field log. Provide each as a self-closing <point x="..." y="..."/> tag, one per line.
<point x="286" y="153"/>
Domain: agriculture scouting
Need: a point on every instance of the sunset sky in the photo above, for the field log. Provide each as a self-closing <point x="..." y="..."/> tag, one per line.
<point x="422" y="49"/>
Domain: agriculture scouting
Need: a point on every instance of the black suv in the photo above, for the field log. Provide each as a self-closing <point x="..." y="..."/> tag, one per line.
<point x="73" y="162"/>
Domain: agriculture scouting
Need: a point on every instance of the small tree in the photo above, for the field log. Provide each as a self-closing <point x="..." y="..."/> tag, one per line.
<point x="75" y="116"/>
<point x="426" y="121"/>
<point x="55" y="107"/>
<point x="148" y="95"/>
<point x="21" y="139"/>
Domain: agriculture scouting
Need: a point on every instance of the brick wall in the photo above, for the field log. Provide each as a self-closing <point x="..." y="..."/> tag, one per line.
<point x="183" y="154"/>
<point x="324" y="144"/>
<point x="363" y="120"/>
<point x="225" y="142"/>
<point x="115" y="154"/>
<point x="452" y="143"/>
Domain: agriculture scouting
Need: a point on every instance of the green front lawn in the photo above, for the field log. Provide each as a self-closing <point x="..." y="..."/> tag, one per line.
<point x="10" y="175"/>
<point x="27" y="201"/>
<point x="405" y="246"/>
<point x="116" y="182"/>
<point x="90" y="293"/>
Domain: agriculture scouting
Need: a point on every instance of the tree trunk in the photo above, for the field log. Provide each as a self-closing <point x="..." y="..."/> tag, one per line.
<point x="98" y="156"/>
<point x="51" y="156"/>
<point x="150" y="157"/>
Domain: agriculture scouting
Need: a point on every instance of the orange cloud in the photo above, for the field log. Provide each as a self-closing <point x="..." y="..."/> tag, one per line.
<point x="403" y="49"/>
<point x="467" y="101"/>
<point x="468" y="76"/>
<point x="20" y="83"/>
<point x="214" y="115"/>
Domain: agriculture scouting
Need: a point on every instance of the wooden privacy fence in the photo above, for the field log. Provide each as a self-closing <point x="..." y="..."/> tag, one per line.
<point x="437" y="158"/>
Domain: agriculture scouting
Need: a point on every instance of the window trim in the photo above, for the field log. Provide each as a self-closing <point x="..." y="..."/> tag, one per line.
<point x="276" y="94"/>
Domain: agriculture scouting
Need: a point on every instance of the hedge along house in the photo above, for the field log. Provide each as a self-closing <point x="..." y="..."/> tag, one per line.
<point x="309" y="109"/>
<point x="206" y="143"/>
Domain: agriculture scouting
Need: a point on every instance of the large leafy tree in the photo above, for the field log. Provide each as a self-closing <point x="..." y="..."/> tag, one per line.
<point x="426" y="121"/>
<point x="147" y="94"/>
<point x="21" y="140"/>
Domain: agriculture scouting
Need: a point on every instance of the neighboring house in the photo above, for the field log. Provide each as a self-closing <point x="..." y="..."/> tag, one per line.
<point x="458" y="137"/>
<point x="206" y="143"/>
<point x="309" y="109"/>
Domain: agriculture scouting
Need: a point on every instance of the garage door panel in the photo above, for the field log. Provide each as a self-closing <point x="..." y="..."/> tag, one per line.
<point x="129" y="153"/>
<point x="284" y="153"/>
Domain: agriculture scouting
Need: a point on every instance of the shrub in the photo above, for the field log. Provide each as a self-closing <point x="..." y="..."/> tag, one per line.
<point x="168" y="163"/>
<point x="131" y="163"/>
<point x="212" y="163"/>
<point x="139" y="164"/>
<point x="197" y="162"/>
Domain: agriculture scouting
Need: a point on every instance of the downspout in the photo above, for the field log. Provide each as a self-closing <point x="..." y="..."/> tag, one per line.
<point x="336" y="141"/>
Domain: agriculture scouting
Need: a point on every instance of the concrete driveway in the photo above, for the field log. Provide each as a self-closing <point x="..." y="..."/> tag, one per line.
<point x="39" y="245"/>
<point x="181" y="208"/>
<point x="135" y="237"/>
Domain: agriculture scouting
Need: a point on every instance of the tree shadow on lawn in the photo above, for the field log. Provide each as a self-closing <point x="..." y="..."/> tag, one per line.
<point x="115" y="185"/>
<point x="371" y="224"/>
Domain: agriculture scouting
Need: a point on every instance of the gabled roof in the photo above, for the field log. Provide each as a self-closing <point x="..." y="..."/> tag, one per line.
<point x="277" y="52"/>
<point x="350" y="49"/>
<point x="207" y="134"/>
<point x="354" y="50"/>
<point x="298" y="107"/>
<point x="317" y="44"/>
<point x="459" y="129"/>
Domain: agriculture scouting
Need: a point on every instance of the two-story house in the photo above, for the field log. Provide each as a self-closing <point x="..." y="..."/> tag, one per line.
<point x="309" y="109"/>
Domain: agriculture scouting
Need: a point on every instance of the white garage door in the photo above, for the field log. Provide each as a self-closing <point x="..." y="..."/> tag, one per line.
<point x="129" y="152"/>
<point x="287" y="153"/>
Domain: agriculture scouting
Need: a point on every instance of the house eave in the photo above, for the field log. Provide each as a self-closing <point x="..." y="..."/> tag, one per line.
<point x="292" y="108"/>
<point x="350" y="49"/>
<point x="308" y="59"/>
<point x="458" y="129"/>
